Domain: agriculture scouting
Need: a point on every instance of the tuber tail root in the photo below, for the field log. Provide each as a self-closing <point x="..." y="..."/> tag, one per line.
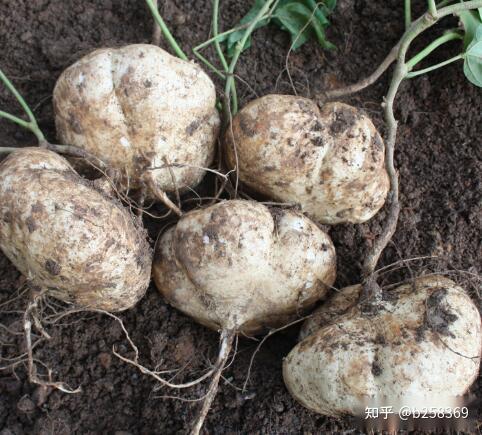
<point x="28" y="316"/>
<point x="227" y="338"/>
<point x="160" y="194"/>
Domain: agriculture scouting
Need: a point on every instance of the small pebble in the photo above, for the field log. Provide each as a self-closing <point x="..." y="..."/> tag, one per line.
<point x="25" y="405"/>
<point x="105" y="359"/>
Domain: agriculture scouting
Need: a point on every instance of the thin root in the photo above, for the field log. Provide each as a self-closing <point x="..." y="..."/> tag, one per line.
<point x="226" y="339"/>
<point x="173" y="179"/>
<point x="134" y="362"/>
<point x="160" y="194"/>
<point x="32" y="369"/>
<point x="258" y="347"/>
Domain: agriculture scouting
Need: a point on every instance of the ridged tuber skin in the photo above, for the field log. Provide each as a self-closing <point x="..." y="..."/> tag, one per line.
<point x="239" y="265"/>
<point x="138" y="107"/>
<point x="422" y="348"/>
<point x="67" y="238"/>
<point x="328" y="160"/>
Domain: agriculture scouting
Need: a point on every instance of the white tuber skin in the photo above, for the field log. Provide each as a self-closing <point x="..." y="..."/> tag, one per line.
<point x="333" y="308"/>
<point x="330" y="161"/>
<point x="241" y="267"/>
<point x="238" y="266"/>
<point x="138" y="107"/>
<point x="421" y="349"/>
<point x="67" y="238"/>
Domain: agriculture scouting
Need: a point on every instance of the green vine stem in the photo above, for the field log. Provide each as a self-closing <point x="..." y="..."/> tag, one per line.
<point x="7" y="150"/>
<point x="156" y="32"/>
<point x="364" y="83"/>
<point x="165" y="30"/>
<point x="16" y="119"/>
<point x="230" y="96"/>
<point x="32" y="124"/>
<point x="153" y="7"/>
<point x="432" y="8"/>
<point x="436" y="66"/>
<point x="222" y="58"/>
<point x="408" y="13"/>
<point x="196" y="50"/>
<point x="449" y="36"/>
<point x="392" y="56"/>
<point x="239" y="46"/>
<point x="228" y="69"/>
<point x="444" y="3"/>
<point x="371" y="288"/>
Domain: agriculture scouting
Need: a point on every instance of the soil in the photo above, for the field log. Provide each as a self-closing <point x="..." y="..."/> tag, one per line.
<point x="438" y="156"/>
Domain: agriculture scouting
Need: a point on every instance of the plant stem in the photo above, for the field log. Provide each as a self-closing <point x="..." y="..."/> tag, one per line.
<point x="213" y="68"/>
<point x="449" y="36"/>
<point x="392" y="56"/>
<point x="13" y="118"/>
<point x="210" y="41"/>
<point x="165" y="30"/>
<point x="432" y="8"/>
<point x="7" y="150"/>
<point x="226" y="339"/>
<point x="240" y="45"/>
<point x="408" y="13"/>
<point x="215" y="26"/>
<point x="196" y="50"/>
<point x="444" y="3"/>
<point x="34" y="128"/>
<point x="156" y="31"/>
<point x="362" y="84"/>
<point x="452" y="9"/>
<point x="32" y="123"/>
<point x="434" y="67"/>
<point x="401" y="71"/>
<point x="220" y="36"/>
<point x="8" y="84"/>
<point x="222" y="58"/>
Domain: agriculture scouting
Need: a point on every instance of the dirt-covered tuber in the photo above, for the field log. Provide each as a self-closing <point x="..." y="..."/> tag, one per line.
<point x="68" y="238"/>
<point x="328" y="160"/>
<point x="241" y="267"/>
<point x="138" y="107"/>
<point x="421" y="347"/>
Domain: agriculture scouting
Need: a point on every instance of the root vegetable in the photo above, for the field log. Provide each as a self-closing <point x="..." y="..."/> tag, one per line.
<point x="241" y="267"/>
<point x="67" y="238"/>
<point x="330" y="161"/>
<point x="421" y="348"/>
<point x="135" y="108"/>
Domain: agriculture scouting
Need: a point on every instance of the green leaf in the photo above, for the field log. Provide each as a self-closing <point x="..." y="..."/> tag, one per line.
<point x="293" y="18"/>
<point x="302" y="19"/>
<point x="302" y="23"/>
<point x="233" y="38"/>
<point x="319" y="11"/>
<point x="473" y="59"/>
<point x="328" y="6"/>
<point x="470" y="21"/>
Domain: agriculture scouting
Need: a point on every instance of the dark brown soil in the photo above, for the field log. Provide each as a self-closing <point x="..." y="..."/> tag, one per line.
<point x="441" y="177"/>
